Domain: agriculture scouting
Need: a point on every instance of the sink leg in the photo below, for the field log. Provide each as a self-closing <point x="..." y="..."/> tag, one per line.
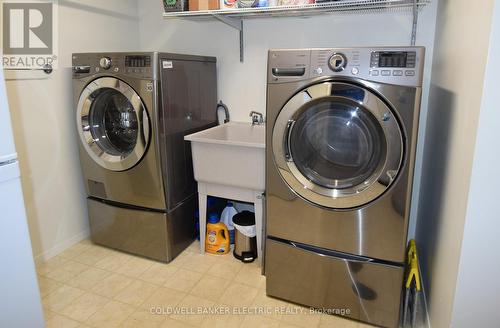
<point x="202" y="200"/>
<point x="258" y="206"/>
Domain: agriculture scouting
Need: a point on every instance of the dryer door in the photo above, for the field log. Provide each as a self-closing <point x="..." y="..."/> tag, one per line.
<point x="113" y="123"/>
<point x="337" y="145"/>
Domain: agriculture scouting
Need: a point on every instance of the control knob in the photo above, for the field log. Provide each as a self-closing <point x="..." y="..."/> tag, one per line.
<point x="337" y="62"/>
<point x="105" y="62"/>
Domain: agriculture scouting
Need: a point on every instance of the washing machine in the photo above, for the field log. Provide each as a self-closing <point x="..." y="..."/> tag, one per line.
<point x="132" y="112"/>
<point x="340" y="151"/>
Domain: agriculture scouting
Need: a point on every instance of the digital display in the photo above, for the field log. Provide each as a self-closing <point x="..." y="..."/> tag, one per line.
<point x="392" y="59"/>
<point x="137" y="61"/>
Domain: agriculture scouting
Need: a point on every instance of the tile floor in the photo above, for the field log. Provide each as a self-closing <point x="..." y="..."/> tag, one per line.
<point x="92" y="286"/>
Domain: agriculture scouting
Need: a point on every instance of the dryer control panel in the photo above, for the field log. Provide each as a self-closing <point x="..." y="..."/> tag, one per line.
<point x="392" y="65"/>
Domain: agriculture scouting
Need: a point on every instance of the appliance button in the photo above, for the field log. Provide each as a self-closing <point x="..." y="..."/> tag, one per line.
<point x="397" y="72"/>
<point x="116" y="69"/>
<point x="374" y="72"/>
<point x="318" y="70"/>
<point x="385" y="72"/>
<point x="355" y="70"/>
<point x="410" y="73"/>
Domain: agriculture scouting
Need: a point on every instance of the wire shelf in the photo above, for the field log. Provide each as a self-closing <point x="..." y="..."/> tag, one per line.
<point x="235" y="17"/>
<point x="342" y="6"/>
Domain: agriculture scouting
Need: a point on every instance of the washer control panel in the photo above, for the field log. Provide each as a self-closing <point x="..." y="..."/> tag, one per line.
<point x="136" y="65"/>
<point x="392" y="65"/>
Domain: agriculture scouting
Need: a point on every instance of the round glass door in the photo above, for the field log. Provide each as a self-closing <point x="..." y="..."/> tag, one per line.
<point x="337" y="145"/>
<point x="113" y="123"/>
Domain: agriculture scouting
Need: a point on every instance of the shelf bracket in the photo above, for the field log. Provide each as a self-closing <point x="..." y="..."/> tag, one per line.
<point x="236" y="24"/>
<point x="414" y="23"/>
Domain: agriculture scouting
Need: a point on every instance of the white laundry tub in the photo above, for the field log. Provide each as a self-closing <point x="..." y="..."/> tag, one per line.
<point x="231" y="154"/>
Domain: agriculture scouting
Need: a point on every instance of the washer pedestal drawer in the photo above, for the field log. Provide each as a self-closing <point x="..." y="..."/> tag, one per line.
<point x="157" y="235"/>
<point x="356" y="288"/>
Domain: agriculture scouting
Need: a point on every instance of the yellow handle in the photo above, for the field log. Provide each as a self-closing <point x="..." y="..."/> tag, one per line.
<point x="412" y="251"/>
<point x="412" y="266"/>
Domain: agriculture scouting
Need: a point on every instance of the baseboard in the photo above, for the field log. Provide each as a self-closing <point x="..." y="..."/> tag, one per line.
<point x="61" y="246"/>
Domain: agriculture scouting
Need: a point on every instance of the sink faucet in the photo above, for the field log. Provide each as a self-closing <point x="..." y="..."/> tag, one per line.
<point x="257" y="118"/>
<point x="222" y="107"/>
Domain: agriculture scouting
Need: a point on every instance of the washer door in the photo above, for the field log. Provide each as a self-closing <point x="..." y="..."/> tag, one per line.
<point x="113" y="124"/>
<point x="337" y="145"/>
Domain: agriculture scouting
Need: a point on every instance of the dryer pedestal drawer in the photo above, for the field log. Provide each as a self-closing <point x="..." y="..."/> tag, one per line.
<point x="142" y="232"/>
<point x="358" y="289"/>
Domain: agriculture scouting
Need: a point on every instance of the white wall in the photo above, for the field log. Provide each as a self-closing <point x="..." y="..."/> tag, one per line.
<point x="242" y="86"/>
<point x="478" y="287"/>
<point x="43" y="118"/>
<point x="461" y="46"/>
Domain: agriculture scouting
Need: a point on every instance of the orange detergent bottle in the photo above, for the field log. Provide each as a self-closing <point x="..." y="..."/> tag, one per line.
<point x="217" y="238"/>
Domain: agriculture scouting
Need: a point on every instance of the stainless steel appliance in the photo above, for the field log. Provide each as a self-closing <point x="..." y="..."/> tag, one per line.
<point x="341" y="134"/>
<point x="133" y="111"/>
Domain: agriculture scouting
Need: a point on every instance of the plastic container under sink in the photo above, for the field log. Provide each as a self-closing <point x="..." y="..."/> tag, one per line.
<point x="217" y="238"/>
<point x="227" y="218"/>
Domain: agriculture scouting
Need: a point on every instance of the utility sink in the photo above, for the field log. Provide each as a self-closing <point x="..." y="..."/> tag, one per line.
<point x="232" y="154"/>
<point x="229" y="162"/>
